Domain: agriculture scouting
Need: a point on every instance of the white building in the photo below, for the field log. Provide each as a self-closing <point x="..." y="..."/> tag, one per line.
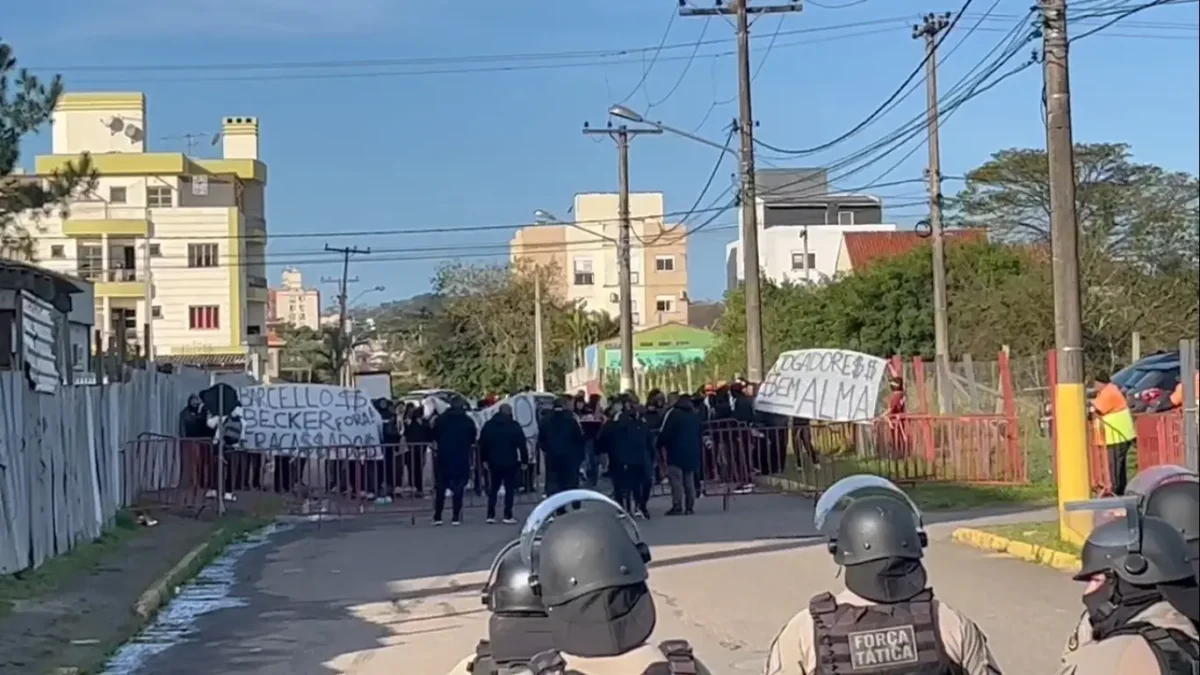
<point x="800" y="226"/>
<point x="293" y="304"/>
<point x="189" y="234"/>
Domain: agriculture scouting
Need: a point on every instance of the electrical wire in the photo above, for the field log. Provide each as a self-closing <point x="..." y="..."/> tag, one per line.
<point x="1122" y="15"/>
<point x="683" y="74"/>
<point x="704" y="190"/>
<point x="653" y="60"/>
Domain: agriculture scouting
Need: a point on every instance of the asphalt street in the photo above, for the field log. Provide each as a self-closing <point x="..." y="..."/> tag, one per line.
<point x="379" y="595"/>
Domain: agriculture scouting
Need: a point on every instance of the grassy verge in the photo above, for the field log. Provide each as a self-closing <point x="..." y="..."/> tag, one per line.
<point x="229" y="532"/>
<point x="80" y="560"/>
<point x="1038" y="534"/>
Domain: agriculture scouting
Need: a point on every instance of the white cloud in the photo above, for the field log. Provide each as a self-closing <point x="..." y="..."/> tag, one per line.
<point x="107" y="19"/>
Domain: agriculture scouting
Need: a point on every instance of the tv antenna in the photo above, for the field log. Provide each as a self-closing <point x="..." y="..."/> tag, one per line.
<point x="192" y="140"/>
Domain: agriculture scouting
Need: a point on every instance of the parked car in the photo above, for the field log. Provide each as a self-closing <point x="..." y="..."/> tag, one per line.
<point x="1149" y="381"/>
<point x="447" y="395"/>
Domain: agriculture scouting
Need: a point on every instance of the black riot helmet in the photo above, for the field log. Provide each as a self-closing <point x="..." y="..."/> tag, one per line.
<point x="1142" y="550"/>
<point x="1172" y="493"/>
<point x="507" y="590"/>
<point x="867" y="518"/>
<point x="578" y="542"/>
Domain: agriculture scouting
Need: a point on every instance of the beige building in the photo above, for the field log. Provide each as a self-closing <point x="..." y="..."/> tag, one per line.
<point x="293" y="304"/>
<point x="182" y="236"/>
<point x="584" y="254"/>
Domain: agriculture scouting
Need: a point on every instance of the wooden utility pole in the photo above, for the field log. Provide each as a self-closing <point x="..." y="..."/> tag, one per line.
<point x="1070" y="402"/>
<point x="539" y="359"/>
<point x="742" y="11"/>
<point x="343" y="346"/>
<point x="621" y="135"/>
<point x="929" y="31"/>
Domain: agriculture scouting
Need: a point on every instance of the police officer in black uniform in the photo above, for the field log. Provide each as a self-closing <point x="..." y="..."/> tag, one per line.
<point x="518" y="628"/>
<point x="1126" y="562"/>
<point x="887" y="621"/>
<point x="589" y="569"/>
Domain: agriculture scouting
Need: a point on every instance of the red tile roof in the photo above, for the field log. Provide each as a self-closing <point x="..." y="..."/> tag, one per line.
<point x="864" y="248"/>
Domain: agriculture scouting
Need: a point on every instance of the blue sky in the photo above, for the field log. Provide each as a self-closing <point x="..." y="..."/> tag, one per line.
<point x="366" y="147"/>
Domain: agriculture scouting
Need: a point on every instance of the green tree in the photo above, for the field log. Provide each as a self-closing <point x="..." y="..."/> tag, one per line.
<point x="1139" y="238"/>
<point x="26" y="104"/>
<point x="308" y="355"/>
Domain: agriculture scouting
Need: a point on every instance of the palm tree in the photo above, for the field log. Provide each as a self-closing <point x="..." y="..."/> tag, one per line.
<point x="586" y="328"/>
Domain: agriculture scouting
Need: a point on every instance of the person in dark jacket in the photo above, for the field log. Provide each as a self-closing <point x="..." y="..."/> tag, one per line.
<point x="560" y="438"/>
<point x="682" y="437"/>
<point x="417" y="437"/>
<point x="503" y="451"/>
<point x="193" y="434"/>
<point x="454" y="433"/>
<point x="629" y="442"/>
<point x="657" y="405"/>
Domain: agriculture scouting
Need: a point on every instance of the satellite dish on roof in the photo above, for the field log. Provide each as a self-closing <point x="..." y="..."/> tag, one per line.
<point x="115" y="125"/>
<point x="133" y="133"/>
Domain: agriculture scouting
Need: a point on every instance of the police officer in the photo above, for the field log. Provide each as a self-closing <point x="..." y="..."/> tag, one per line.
<point x="590" y="571"/>
<point x="517" y="629"/>
<point x="1125" y="562"/>
<point x="887" y="621"/>
<point x="1171" y="493"/>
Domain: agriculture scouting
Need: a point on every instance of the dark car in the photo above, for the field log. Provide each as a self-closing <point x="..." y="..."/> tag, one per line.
<point x="1149" y="381"/>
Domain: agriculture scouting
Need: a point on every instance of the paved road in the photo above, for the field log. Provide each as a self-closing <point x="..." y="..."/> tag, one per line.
<point x="377" y="596"/>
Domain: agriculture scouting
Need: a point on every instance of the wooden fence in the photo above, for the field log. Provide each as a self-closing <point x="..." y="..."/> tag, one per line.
<point x="61" y="457"/>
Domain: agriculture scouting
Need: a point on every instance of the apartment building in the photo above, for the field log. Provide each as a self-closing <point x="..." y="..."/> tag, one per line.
<point x="293" y="304"/>
<point x="584" y="254"/>
<point x="801" y="223"/>
<point x="170" y="240"/>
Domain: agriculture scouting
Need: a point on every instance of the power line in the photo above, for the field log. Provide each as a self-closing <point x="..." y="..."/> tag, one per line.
<point x="646" y="69"/>
<point x="683" y="74"/>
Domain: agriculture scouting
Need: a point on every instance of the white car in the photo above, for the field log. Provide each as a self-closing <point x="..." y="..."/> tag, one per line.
<point x="448" y="395"/>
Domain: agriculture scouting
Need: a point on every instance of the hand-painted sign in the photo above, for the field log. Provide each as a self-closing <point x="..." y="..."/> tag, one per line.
<point x="526" y="409"/>
<point x="287" y="417"/>
<point x="835" y="385"/>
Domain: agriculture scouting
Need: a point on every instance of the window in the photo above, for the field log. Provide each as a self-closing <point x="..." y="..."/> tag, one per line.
<point x="159" y="196"/>
<point x="664" y="303"/>
<point x="635" y="278"/>
<point x="156" y="250"/>
<point x="583" y="272"/>
<point x="116" y="195"/>
<point x="798" y="261"/>
<point x="204" y="317"/>
<point x="91" y="262"/>
<point x="637" y="319"/>
<point x="664" y="263"/>
<point x="202" y="255"/>
<point x="57" y="252"/>
<point x="156" y="312"/>
<point x="845" y="217"/>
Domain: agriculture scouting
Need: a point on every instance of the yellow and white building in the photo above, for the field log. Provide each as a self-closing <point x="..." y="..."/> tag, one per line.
<point x="181" y="235"/>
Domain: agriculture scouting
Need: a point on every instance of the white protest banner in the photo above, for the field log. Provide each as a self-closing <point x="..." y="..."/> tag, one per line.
<point x="526" y="408"/>
<point x="835" y="385"/>
<point x="283" y="418"/>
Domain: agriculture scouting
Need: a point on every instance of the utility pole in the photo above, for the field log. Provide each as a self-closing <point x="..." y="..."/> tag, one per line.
<point x="742" y="10"/>
<point x="539" y="360"/>
<point x="343" y="346"/>
<point x="1070" y="403"/>
<point x="929" y="31"/>
<point x="622" y="135"/>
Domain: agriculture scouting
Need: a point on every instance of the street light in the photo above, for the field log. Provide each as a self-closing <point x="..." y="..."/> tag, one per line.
<point x="626" y="113"/>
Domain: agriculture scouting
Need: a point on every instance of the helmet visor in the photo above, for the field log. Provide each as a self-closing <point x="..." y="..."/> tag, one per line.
<point x="1146" y="481"/>
<point x="487" y="587"/>
<point x="571" y="500"/>
<point x="1112" y="522"/>
<point x="840" y="495"/>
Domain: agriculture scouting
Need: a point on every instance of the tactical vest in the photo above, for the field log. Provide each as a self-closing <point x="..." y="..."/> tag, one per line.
<point x="1177" y="652"/>
<point x="895" y="639"/>
<point x="484" y="663"/>
<point x="680" y="661"/>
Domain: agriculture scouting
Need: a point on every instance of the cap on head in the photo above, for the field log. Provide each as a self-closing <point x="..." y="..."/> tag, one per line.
<point x="877" y="528"/>
<point x="586" y="551"/>
<point x="508" y="590"/>
<point x="1160" y="557"/>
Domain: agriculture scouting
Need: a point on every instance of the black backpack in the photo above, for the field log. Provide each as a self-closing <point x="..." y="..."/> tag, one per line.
<point x="680" y="661"/>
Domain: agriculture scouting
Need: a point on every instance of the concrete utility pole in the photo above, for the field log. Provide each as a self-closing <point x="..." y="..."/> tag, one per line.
<point x="343" y="346"/>
<point x="929" y="31"/>
<point x="1070" y="403"/>
<point x="749" y="200"/>
<point x="621" y="135"/>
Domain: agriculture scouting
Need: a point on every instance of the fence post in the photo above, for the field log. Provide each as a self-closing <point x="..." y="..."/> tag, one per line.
<point x="1187" y="368"/>
<point x="1135" y="346"/>
<point x="1016" y="461"/>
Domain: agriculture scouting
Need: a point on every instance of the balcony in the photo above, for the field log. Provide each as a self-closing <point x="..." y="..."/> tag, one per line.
<point x="256" y="288"/>
<point x="256" y="227"/>
<point x="115" y="283"/>
<point x="97" y="218"/>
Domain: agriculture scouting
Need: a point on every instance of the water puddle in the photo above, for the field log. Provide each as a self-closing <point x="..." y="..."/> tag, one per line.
<point x="210" y="591"/>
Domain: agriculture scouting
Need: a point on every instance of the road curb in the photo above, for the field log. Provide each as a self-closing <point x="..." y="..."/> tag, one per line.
<point x="1017" y="549"/>
<point x="784" y="484"/>
<point x="163" y="588"/>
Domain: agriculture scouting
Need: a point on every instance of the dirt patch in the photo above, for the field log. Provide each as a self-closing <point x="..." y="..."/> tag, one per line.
<point x="76" y="608"/>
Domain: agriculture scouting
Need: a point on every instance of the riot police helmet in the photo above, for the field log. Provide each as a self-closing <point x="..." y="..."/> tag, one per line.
<point x="1172" y="493"/>
<point x="507" y="590"/>
<point x="1142" y="550"/>
<point x="867" y="518"/>
<point x="579" y="542"/>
